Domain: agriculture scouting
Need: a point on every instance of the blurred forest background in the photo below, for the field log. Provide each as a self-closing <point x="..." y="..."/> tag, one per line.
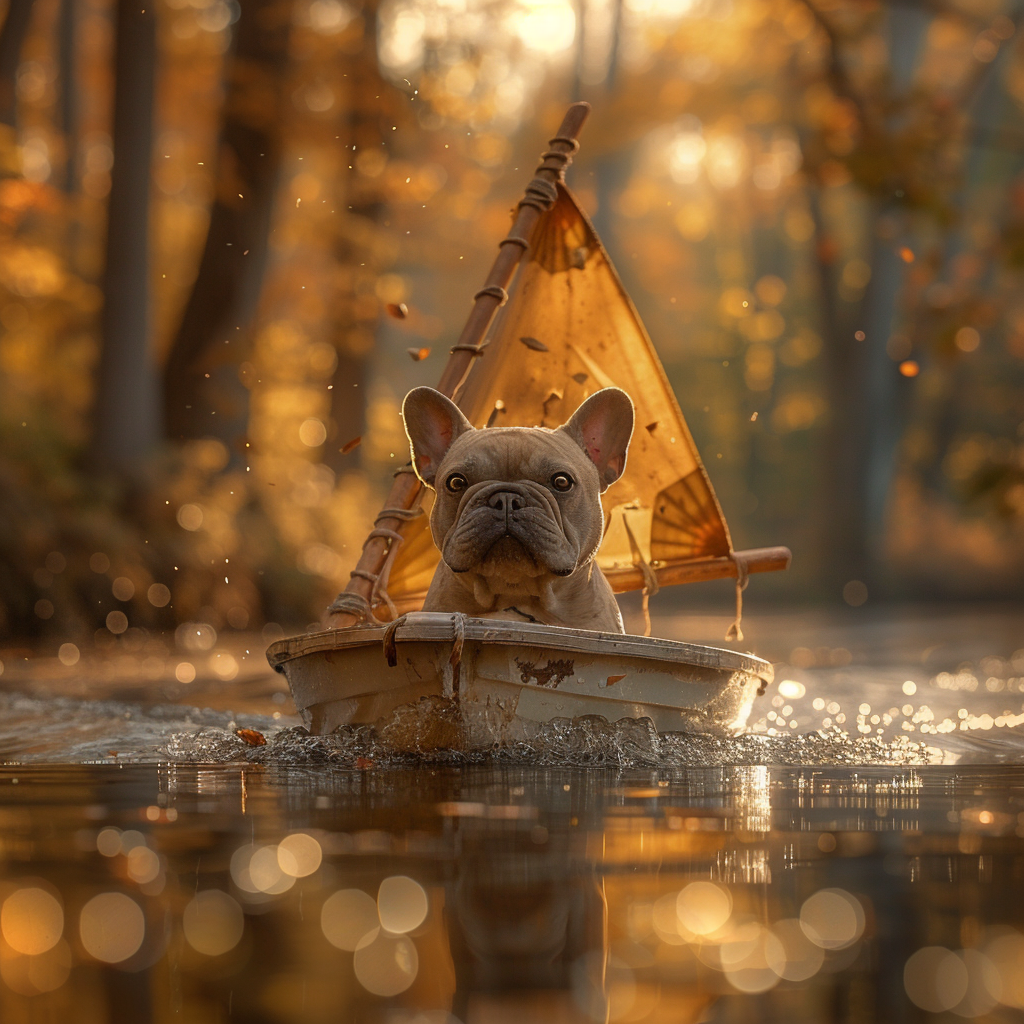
<point x="207" y="207"/>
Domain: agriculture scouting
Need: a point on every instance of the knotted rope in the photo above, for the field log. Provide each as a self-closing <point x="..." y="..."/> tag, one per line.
<point x="735" y="631"/>
<point x="651" y="584"/>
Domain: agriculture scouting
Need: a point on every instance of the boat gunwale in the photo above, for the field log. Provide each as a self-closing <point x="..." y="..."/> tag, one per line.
<point x="437" y="627"/>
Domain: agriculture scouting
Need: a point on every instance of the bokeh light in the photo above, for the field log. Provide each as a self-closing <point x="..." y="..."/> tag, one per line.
<point x="703" y="907"/>
<point x="34" y="975"/>
<point x="112" y="927"/>
<point x="386" y="964"/>
<point x="213" y="922"/>
<point x="402" y="904"/>
<point x="832" y="919"/>
<point x="349" y="917"/>
<point x="143" y="864"/>
<point x="800" y="958"/>
<point x="935" y="979"/>
<point x="32" y="921"/>
<point x="256" y="869"/>
<point x="299" y="855"/>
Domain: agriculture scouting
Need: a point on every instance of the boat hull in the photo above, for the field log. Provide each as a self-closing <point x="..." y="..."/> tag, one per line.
<point x="529" y="671"/>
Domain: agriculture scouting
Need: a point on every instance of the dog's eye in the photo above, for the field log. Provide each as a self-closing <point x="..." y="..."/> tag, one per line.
<point x="562" y="481"/>
<point x="455" y="483"/>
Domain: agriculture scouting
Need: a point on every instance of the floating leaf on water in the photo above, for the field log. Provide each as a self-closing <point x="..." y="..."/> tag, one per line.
<point x="418" y="354"/>
<point x="349" y="446"/>
<point x="399" y="310"/>
<point x="580" y="378"/>
<point x="252" y="737"/>
<point x="537" y="346"/>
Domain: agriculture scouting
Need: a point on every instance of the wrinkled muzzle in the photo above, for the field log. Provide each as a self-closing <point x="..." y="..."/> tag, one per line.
<point x="522" y="512"/>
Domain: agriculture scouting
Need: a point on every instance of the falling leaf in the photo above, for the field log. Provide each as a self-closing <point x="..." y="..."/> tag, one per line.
<point x="753" y="417"/>
<point x="399" y="310"/>
<point x="580" y="378"/>
<point x="349" y="446"/>
<point x="418" y="354"/>
<point x="251" y="737"/>
<point x="909" y="368"/>
<point x="907" y="255"/>
<point x="537" y="346"/>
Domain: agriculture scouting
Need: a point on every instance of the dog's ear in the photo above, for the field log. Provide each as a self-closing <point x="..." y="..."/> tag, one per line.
<point x="602" y="427"/>
<point x="432" y="423"/>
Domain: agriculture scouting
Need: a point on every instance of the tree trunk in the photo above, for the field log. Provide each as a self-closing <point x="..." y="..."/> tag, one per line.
<point x="127" y="395"/>
<point x="354" y="320"/>
<point x="12" y="36"/>
<point x="231" y="270"/>
<point x="867" y="396"/>
<point x="68" y="84"/>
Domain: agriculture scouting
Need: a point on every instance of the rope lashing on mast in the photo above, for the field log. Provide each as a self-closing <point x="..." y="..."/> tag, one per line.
<point x="540" y="194"/>
<point x="735" y="631"/>
<point x="356" y="604"/>
<point x="495" y="291"/>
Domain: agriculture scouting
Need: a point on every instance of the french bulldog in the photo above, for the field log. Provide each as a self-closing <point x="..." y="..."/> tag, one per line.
<point x="517" y="515"/>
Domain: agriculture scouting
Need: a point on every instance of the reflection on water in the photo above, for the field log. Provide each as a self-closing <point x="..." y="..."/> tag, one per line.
<point x="857" y="856"/>
<point x="489" y="894"/>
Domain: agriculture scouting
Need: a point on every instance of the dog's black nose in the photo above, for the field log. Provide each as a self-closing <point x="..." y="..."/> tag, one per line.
<point x="506" y="501"/>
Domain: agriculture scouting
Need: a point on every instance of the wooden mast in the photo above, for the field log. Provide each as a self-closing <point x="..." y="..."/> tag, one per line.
<point x="354" y="603"/>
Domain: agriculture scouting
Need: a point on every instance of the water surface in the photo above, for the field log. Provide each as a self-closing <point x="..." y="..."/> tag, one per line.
<point x="159" y="866"/>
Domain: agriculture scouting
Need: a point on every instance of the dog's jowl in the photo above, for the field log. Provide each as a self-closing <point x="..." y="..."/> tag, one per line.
<point x="518" y="517"/>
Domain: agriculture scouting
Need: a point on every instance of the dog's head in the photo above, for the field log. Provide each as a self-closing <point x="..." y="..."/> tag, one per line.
<point x="518" y="502"/>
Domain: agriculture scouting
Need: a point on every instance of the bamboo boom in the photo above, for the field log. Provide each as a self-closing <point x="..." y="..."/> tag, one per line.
<point x="700" y="569"/>
<point x="406" y="492"/>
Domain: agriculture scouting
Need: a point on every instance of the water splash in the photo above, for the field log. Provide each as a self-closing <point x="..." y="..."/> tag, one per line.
<point x="434" y="731"/>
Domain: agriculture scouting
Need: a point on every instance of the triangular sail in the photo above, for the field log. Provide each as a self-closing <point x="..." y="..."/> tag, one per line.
<point x="568" y="330"/>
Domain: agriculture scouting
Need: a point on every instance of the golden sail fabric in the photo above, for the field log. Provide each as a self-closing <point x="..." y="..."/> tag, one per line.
<point x="568" y="330"/>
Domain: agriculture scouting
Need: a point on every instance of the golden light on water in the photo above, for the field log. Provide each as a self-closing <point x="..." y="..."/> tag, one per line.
<point x="349" y="917"/>
<point x="112" y="927"/>
<point x="213" y="923"/>
<point x="32" y="921"/>
<point x="299" y="855"/>
<point x="402" y="904"/>
<point x="386" y="964"/>
<point x="832" y="919"/>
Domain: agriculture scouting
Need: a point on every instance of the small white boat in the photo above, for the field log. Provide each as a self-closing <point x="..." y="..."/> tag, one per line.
<point x="565" y="329"/>
<point x="527" y="670"/>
